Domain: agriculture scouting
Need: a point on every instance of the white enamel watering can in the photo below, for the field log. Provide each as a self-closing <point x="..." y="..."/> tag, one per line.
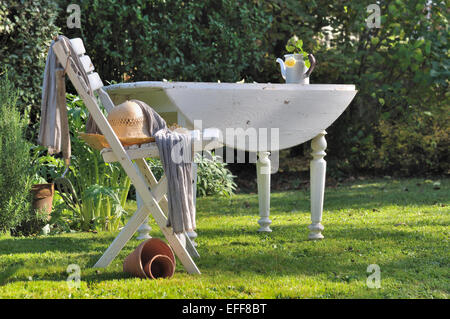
<point x="294" y="70"/>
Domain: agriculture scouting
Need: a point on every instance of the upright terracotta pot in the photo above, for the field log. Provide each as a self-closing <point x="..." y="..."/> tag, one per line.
<point x="43" y="197"/>
<point x="153" y="258"/>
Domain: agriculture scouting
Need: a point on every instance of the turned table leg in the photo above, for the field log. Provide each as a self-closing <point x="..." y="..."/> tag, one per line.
<point x="144" y="229"/>
<point x="263" y="180"/>
<point x="317" y="176"/>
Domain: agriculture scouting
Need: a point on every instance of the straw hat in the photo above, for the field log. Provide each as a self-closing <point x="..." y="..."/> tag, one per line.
<point x="128" y="122"/>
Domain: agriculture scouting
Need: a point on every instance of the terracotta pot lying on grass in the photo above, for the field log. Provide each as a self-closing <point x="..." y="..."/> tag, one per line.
<point x="152" y="259"/>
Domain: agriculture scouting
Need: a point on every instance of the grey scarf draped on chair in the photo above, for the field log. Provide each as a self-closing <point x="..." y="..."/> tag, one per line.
<point x="54" y="129"/>
<point x="175" y="152"/>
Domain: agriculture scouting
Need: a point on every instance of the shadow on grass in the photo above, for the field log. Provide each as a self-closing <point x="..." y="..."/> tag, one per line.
<point x="250" y="252"/>
<point x="298" y="232"/>
<point x="52" y="243"/>
<point x="292" y="255"/>
<point x="341" y="267"/>
<point x="19" y="270"/>
<point x="344" y="259"/>
<point x="9" y="272"/>
<point x="8" y="276"/>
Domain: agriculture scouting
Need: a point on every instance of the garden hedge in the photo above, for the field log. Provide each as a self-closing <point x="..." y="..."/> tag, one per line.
<point x="26" y="31"/>
<point x="398" y="120"/>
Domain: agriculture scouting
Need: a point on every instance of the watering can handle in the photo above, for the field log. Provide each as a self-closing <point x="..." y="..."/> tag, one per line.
<point x="283" y="70"/>
<point x="313" y="62"/>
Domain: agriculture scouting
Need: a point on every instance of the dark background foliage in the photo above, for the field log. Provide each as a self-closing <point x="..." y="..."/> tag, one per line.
<point x="26" y="31"/>
<point x="397" y="124"/>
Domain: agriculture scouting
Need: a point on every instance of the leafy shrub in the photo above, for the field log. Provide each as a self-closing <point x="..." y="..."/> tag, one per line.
<point x="156" y="166"/>
<point x="420" y="144"/>
<point x="26" y="31"/>
<point x="174" y="39"/>
<point x="213" y="177"/>
<point x="402" y="66"/>
<point x="401" y="72"/>
<point x="31" y="223"/>
<point x="47" y="167"/>
<point x="102" y="188"/>
<point x="15" y="180"/>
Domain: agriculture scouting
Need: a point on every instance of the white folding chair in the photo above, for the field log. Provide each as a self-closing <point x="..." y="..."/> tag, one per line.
<point x="152" y="192"/>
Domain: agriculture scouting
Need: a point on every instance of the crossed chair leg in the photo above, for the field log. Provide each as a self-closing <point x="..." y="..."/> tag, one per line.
<point x="181" y="244"/>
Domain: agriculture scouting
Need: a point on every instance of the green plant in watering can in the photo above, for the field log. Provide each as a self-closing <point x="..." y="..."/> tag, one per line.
<point x="295" y="46"/>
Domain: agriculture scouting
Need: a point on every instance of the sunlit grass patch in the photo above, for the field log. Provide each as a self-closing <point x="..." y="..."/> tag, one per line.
<point x="402" y="226"/>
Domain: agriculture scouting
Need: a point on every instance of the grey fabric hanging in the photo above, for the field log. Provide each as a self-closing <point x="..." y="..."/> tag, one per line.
<point x="175" y="152"/>
<point x="54" y="129"/>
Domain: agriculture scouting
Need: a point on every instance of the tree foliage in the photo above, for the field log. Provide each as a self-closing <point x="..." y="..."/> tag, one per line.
<point x="26" y="31"/>
<point x="397" y="121"/>
<point x="177" y="40"/>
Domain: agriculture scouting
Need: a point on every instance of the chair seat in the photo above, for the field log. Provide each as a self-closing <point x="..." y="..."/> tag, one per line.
<point x="99" y="142"/>
<point x="208" y="140"/>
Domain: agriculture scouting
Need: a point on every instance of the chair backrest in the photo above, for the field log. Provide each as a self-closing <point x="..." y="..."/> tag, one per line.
<point x="94" y="79"/>
<point x="97" y="86"/>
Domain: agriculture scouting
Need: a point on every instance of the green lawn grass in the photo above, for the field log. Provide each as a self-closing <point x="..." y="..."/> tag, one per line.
<point x="402" y="226"/>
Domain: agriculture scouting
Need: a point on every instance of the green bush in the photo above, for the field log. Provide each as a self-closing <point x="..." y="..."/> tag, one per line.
<point x="174" y="39"/>
<point x="156" y="166"/>
<point x="15" y="179"/>
<point x="26" y="31"/>
<point x="401" y="70"/>
<point x="398" y="69"/>
<point x="419" y="144"/>
<point x="102" y="188"/>
<point x="402" y="66"/>
<point x="213" y="177"/>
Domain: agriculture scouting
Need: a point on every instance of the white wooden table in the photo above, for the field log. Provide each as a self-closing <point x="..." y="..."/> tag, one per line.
<point x="288" y="115"/>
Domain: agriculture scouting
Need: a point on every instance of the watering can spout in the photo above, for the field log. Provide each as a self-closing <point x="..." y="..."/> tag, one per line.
<point x="283" y="68"/>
